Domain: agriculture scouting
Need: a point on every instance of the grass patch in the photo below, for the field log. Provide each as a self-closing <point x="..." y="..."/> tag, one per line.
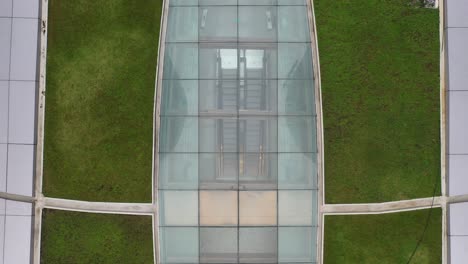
<point x="386" y="238"/>
<point x="73" y="237"/>
<point x="101" y="65"/>
<point x="380" y="83"/>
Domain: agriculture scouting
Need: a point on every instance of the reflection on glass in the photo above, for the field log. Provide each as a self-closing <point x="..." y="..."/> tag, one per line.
<point x="294" y="61"/>
<point x="297" y="171"/>
<point x="218" y="61"/>
<point x="218" y="96"/>
<point x="258" y="245"/>
<point x="293" y="24"/>
<point x="183" y="3"/>
<point x="217" y="23"/>
<point x="258" y="2"/>
<point x="297" y="244"/>
<point x="295" y="207"/>
<point x="178" y="171"/>
<point x="218" y="2"/>
<point x="218" y="208"/>
<point x="182" y="24"/>
<point x="258" y="171"/>
<point x="296" y="134"/>
<point x="257" y="23"/>
<point x="179" y="244"/>
<point x="178" y="208"/>
<point x="257" y="208"/>
<point x="181" y="61"/>
<point x="179" y="97"/>
<point x="218" y="135"/>
<point x="258" y="61"/>
<point x="258" y="134"/>
<point x="179" y="134"/>
<point x="218" y="245"/>
<point x="258" y="97"/>
<point x="218" y="170"/>
<point x="296" y="97"/>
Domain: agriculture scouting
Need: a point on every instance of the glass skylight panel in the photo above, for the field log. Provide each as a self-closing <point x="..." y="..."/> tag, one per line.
<point x="178" y="170"/>
<point x="179" y="208"/>
<point x="179" y="134"/>
<point x="219" y="171"/>
<point x="297" y="170"/>
<point x="258" y="23"/>
<point x="295" y="61"/>
<point x="179" y="97"/>
<point x="293" y="24"/>
<point x="218" y="245"/>
<point x="237" y="174"/>
<point x="181" y="61"/>
<point x="182" y="24"/>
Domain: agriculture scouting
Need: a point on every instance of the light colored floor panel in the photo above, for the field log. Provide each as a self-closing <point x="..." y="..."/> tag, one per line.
<point x="3" y="111"/>
<point x="458" y="217"/>
<point x="458" y="176"/>
<point x="24" y="49"/>
<point x="26" y="8"/>
<point x="20" y="169"/>
<point x="17" y="239"/>
<point x="457" y="58"/>
<point x="3" y="166"/>
<point x="22" y="112"/>
<point x="5" y="8"/>
<point x="5" y="35"/>
<point x="458" y="122"/>
<point x="18" y="208"/>
<point x="456" y="13"/>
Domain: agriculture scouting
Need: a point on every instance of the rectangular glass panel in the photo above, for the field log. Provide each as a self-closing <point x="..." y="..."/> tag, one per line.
<point x="297" y="171"/>
<point x="218" y="135"/>
<point x="179" y="97"/>
<point x="257" y="208"/>
<point x="218" y="170"/>
<point x="218" y="2"/>
<point x="297" y="134"/>
<point x="257" y="23"/>
<point x="297" y="244"/>
<point x="258" y="134"/>
<point x="218" y="245"/>
<point x="218" y="96"/>
<point x="293" y="24"/>
<point x="218" y="208"/>
<point x="258" y="61"/>
<point x="296" y="97"/>
<point x="258" y="245"/>
<point x="217" y="23"/>
<point x="181" y="61"/>
<point x="296" y="207"/>
<point x="294" y="61"/>
<point x="182" y="24"/>
<point x="258" y="171"/>
<point x="291" y="2"/>
<point x="179" y="134"/>
<point x="179" y="244"/>
<point x="178" y="208"/>
<point x="258" y="97"/>
<point x="183" y="2"/>
<point x="178" y="171"/>
<point x="218" y="61"/>
<point x="258" y="2"/>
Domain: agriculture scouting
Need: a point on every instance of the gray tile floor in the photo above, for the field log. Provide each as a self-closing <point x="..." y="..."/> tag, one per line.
<point x="457" y="42"/>
<point x="19" y="29"/>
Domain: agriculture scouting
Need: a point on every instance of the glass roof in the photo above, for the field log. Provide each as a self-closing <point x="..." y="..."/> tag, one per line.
<point x="237" y="176"/>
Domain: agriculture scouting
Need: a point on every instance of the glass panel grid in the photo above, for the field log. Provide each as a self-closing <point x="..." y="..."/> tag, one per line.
<point x="237" y="89"/>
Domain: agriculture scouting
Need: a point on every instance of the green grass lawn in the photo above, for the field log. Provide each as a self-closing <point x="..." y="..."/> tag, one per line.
<point x="380" y="84"/>
<point x="386" y="238"/>
<point x="73" y="237"/>
<point x="101" y="63"/>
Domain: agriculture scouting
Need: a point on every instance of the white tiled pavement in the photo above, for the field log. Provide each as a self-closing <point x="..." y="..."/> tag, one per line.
<point x="456" y="31"/>
<point x="19" y="46"/>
